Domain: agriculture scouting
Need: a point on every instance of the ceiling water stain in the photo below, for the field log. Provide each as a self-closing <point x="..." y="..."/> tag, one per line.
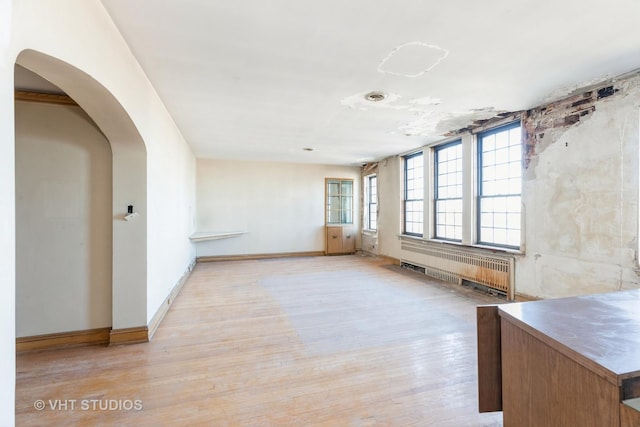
<point x="412" y="59"/>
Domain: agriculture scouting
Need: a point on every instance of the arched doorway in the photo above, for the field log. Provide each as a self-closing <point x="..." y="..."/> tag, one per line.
<point x="63" y="217"/>
<point x="128" y="186"/>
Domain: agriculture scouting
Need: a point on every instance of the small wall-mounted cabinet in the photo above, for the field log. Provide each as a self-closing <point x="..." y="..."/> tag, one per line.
<point x="340" y="235"/>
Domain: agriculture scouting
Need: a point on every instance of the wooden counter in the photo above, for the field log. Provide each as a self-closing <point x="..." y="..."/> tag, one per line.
<point x="563" y="362"/>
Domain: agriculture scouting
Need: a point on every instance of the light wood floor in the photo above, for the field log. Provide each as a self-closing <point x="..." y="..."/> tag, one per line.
<point x="321" y="341"/>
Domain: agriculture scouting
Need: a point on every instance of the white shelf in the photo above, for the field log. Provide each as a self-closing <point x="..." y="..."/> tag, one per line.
<point x="203" y="236"/>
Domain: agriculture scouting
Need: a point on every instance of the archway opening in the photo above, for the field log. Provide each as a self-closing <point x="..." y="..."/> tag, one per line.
<point x="99" y="115"/>
<point x="63" y="215"/>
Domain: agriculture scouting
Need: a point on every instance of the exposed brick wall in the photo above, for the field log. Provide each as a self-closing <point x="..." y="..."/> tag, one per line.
<point x="560" y="115"/>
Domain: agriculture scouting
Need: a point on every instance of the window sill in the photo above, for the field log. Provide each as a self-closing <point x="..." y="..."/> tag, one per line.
<point x="367" y="232"/>
<point x="492" y="249"/>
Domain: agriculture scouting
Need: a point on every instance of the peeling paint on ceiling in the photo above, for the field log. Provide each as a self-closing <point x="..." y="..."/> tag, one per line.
<point x="425" y="117"/>
<point x="570" y="90"/>
<point x="412" y="59"/>
<point x="433" y="122"/>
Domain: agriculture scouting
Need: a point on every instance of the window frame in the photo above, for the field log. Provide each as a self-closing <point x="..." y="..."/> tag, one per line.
<point x="435" y="164"/>
<point x="371" y="202"/>
<point x="406" y="199"/>
<point x="479" y="187"/>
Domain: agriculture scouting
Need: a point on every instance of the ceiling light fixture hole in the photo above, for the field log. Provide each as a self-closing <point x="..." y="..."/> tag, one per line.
<point x="375" y="96"/>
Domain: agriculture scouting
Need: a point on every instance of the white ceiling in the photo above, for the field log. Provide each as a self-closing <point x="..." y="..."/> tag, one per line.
<point x="261" y="80"/>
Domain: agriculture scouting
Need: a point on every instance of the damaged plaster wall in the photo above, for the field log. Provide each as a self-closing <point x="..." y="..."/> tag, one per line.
<point x="389" y="206"/>
<point x="580" y="193"/>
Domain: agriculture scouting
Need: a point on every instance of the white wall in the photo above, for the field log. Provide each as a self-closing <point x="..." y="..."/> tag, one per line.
<point x="7" y="222"/>
<point x="63" y="221"/>
<point x="141" y="285"/>
<point x="80" y="33"/>
<point x="172" y="210"/>
<point x="279" y="205"/>
<point x="390" y="206"/>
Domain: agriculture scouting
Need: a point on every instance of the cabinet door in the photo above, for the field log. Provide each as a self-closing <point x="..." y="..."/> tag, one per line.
<point x="334" y="240"/>
<point x="348" y="240"/>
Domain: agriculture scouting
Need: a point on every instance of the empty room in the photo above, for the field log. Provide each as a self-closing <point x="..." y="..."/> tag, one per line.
<point x="319" y="213"/>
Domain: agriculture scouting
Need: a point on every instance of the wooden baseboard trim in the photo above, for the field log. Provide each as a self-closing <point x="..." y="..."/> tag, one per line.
<point x="166" y="304"/>
<point x="135" y="335"/>
<point x="524" y="298"/>
<point x="392" y="260"/>
<point x="98" y="336"/>
<point x="258" y="256"/>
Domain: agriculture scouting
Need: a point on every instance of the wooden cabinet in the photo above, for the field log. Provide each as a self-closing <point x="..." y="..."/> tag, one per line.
<point x="340" y="240"/>
<point x="563" y="362"/>
<point x="339" y="229"/>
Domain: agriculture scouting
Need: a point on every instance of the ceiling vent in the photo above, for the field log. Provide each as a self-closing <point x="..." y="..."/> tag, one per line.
<point x="375" y="96"/>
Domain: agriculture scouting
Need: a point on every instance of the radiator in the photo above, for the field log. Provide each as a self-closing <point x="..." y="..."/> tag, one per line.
<point x="455" y="264"/>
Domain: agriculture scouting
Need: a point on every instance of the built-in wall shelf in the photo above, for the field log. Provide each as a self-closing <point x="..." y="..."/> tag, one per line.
<point x="203" y="236"/>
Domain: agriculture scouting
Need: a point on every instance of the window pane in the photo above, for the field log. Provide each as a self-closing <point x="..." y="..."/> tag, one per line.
<point x="346" y="188"/>
<point x="414" y="194"/>
<point x="500" y="236"/>
<point x="373" y="218"/>
<point x="334" y="216"/>
<point x="500" y="185"/>
<point x="515" y="152"/>
<point x="489" y="158"/>
<point x="513" y="237"/>
<point x="515" y="186"/>
<point x="513" y="204"/>
<point x="371" y="183"/>
<point x="502" y="140"/>
<point x="513" y="221"/>
<point x="490" y="142"/>
<point x="346" y="203"/>
<point x="334" y="188"/>
<point x="346" y="217"/>
<point x="448" y="191"/>
<point x="334" y="202"/>
<point x="486" y="219"/>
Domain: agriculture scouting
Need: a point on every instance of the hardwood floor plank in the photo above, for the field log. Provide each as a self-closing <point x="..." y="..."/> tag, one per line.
<point x="326" y="341"/>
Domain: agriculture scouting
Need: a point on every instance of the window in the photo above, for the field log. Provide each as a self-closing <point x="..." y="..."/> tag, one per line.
<point x="448" y="191"/>
<point x="339" y="201"/>
<point x="372" y="202"/>
<point x="414" y="194"/>
<point x="500" y="186"/>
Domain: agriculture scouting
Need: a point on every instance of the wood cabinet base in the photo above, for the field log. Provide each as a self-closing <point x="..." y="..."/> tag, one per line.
<point x="340" y="239"/>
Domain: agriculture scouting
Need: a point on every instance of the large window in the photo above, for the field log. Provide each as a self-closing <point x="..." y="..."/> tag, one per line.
<point x="448" y="191"/>
<point x="372" y="202"/>
<point x="414" y="194"/>
<point x="500" y="186"/>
